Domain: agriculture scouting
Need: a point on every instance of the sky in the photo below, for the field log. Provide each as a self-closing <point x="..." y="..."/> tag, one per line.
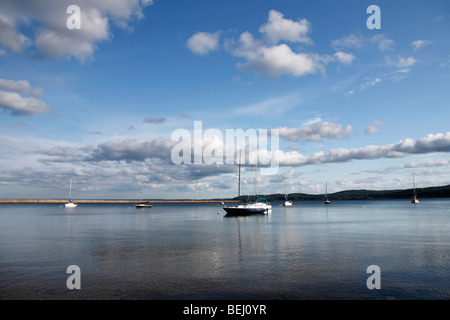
<point x="359" y="98"/>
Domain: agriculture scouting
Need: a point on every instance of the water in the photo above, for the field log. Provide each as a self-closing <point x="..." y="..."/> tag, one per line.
<point x="308" y="251"/>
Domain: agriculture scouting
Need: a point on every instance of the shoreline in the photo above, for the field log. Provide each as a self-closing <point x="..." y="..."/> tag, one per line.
<point x="108" y="201"/>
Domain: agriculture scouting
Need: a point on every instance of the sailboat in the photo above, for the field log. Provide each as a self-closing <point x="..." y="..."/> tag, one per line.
<point x="248" y="208"/>
<point x="70" y="204"/>
<point x="326" y="194"/>
<point x="143" y="204"/>
<point x="414" y="198"/>
<point x="287" y="203"/>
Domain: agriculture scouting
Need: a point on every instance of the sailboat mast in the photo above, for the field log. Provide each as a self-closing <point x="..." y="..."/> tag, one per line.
<point x="70" y="189"/>
<point x="256" y="178"/>
<point x="239" y="182"/>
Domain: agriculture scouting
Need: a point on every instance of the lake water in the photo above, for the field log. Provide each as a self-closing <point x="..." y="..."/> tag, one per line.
<point x="308" y="251"/>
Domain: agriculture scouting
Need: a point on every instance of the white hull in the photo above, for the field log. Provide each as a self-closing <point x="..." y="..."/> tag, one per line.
<point x="288" y="203"/>
<point x="70" y="205"/>
<point x="143" y="205"/>
<point x="248" y="208"/>
<point x="414" y="198"/>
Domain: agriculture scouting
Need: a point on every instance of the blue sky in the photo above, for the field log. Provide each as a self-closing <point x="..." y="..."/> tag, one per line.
<point x="355" y="107"/>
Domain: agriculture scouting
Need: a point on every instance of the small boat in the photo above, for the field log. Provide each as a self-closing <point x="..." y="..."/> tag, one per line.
<point x="414" y="199"/>
<point x="243" y="209"/>
<point x="249" y="208"/>
<point x="143" y="204"/>
<point x="287" y="203"/>
<point x="70" y="204"/>
<point x="326" y="194"/>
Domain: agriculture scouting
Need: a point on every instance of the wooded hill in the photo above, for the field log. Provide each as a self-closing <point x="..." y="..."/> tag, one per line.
<point x="422" y="193"/>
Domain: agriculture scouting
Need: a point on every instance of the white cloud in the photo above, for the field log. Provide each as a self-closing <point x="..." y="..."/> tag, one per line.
<point x="118" y="164"/>
<point x="420" y="44"/>
<point x="277" y="29"/>
<point x="343" y="57"/>
<point x="270" y="57"/>
<point x="406" y="62"/>
<point x="203" y="43"/>
<point x="12" y="99"/>
<point x="279" y="60"/>
<point x="315" y="132"/>
<point x="374" y="127"/>
<point x="52" y="38"/>
<point x="428" y="163"/>
<point x="353" y="41"/>
<point x="21" y="86"/>
<point x="431" y="143"/>
<point x="10" y="37"/>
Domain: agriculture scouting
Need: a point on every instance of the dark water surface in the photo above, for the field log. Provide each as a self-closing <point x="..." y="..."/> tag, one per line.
<point x="308" y="251"/>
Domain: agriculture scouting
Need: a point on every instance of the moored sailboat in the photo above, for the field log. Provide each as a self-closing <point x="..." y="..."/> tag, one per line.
<point x="70" y="204"/>
<point x="143" y="204"/>
<point x="414" y="199"/>
<point x="327" y="201"/>
<point x="248" y="208"/>
<point x="287" y="203"/>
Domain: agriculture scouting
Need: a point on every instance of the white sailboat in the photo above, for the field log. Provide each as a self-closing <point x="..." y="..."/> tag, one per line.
<point x="287" y="203"/>
<point x="248" y="208"/>
<point x="143" y="204"/>
<point x="326" y="194"/>
<point x="414" y="198"/>
<point x="70" y="204"/>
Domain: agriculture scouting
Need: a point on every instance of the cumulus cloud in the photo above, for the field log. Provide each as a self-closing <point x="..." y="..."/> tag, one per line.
<point x="20" y="98"/>
<point x="280" y="60"/>
<point x="10" y="37"/>
<point x="315" y="132"/>
<point x="132" y="150"/>
<point x="203" y="43"/>
<point x="159" y="149"/>
<point x="49" y="31"/>
<point x="122" y="164"/>
<point x="280" y="29"/>
<point x="271" y="55"/>
<point x="343" y="57"/>
<point x="429" y="144"/>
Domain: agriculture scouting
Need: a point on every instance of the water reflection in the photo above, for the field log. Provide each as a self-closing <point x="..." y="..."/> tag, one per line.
<point x="190" y="252"/>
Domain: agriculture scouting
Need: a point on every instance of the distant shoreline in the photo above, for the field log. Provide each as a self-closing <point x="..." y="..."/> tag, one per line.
<point x="442" y="192"/>
<point x="109" y="201"/>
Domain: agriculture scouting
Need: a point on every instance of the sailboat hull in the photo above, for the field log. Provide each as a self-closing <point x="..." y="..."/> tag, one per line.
<point x="248" y="209"/>
<point x="235" y="211"/>
<point x="143" y="205"/>
<point x="70" y="205"/>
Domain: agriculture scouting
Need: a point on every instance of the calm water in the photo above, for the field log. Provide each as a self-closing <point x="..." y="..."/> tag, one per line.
<point x="308" y="251"/>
